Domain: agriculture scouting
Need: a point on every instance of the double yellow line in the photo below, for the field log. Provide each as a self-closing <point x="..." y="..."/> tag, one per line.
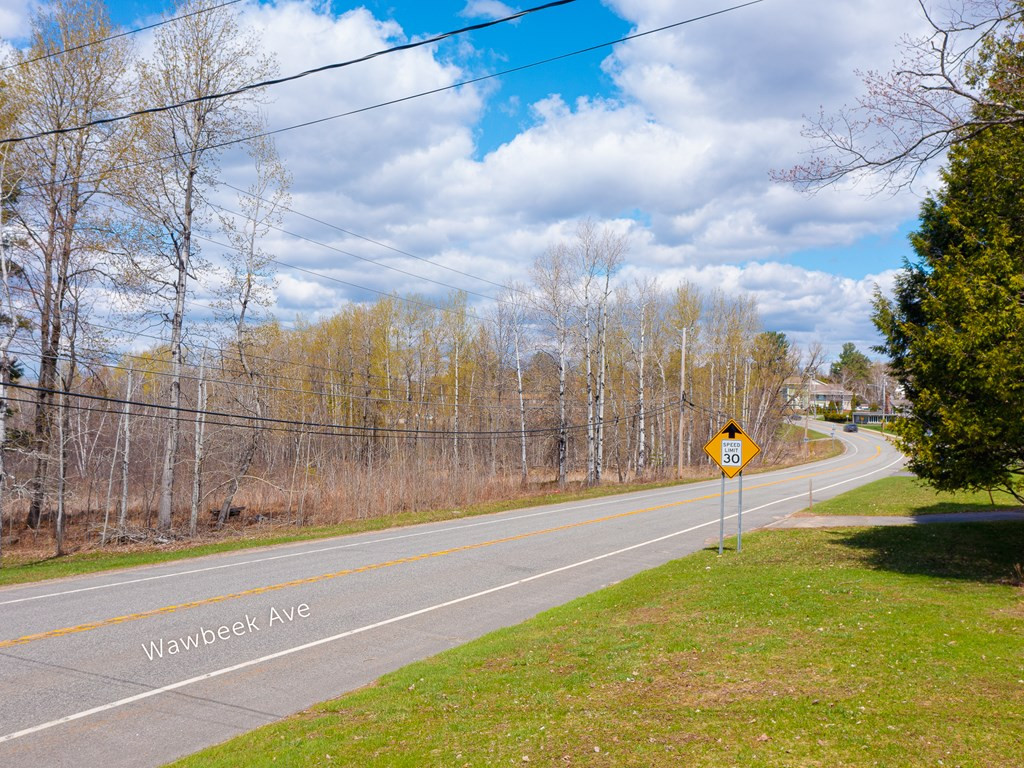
<point x="24" y="640"/>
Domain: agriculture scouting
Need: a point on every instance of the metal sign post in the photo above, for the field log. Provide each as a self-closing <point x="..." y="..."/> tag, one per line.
<point x="721" y="519"/>
<point x="731" y="449"/>
<point x="739" y="519"/>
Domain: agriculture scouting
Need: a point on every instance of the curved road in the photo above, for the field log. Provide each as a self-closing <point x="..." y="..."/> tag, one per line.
<point x="138" y="667"/>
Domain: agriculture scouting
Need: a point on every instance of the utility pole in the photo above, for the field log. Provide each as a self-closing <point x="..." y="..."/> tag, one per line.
<point x="682" y="395"/>
<point x="885" y="402"/>
<point x="807" y="410"/>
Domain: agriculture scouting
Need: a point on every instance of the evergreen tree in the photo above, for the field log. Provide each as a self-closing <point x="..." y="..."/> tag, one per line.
<point x="955" y="327"/>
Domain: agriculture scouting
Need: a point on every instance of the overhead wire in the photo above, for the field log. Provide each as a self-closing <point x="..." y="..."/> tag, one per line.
<point x="355" y="256"/>
<point x="363" y="258"/>
<point x="356" y="429"/>
<point x="421" y="94"/>
<point x="316" y="432"/>
<point x="344" y="231"/>
<point x="364" y="385"/>
<point x="294" y="430"/>
<point x="351" y="386"/>
<point x="330" y="278"/>
<point x="290" y="78"/>
<point x="452" y="86"/>
<point x="126" y="33"/>
<point x="479" y="79"/>
<point x="469" y="313"/>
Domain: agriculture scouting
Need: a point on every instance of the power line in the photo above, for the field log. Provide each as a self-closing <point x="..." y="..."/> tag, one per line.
<point x="356" y="256"/>
<point x="480" y="79"/>
<point x="352" y="386"/>
<point x="252" y="418"/>
<point x="357" y="429"/>
<point x="218" y="351"/>
<point x="416" y="302"/>
<point x="289" y="78"/>
<point x="421" y="94"/>
<point x="316" y="432"/>
<point x="349" y="232"/>
<point x="74" y="48"/>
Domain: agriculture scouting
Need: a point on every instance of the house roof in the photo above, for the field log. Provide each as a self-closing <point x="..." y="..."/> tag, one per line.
<point x="818" y="387"/>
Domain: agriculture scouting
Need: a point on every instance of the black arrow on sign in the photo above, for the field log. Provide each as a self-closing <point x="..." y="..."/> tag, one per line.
<point x="733" y="430"/>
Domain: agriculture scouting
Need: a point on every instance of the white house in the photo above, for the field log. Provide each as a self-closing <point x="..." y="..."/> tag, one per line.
<point x="815" y="395"/>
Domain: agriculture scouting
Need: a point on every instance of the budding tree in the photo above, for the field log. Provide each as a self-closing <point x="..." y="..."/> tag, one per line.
<point x="195" y="58"/>
<point x="60" y="177"/>
<point x="940" y="93"/>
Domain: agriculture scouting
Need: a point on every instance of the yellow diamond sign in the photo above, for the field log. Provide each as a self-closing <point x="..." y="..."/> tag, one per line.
<point x="731" y="449"/>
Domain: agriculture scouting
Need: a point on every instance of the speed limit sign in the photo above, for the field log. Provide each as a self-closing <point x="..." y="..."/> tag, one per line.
<point x="732" y="449"/>
<point x="732" y="453"/>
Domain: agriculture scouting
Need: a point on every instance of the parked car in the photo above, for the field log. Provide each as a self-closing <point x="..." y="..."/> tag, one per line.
<point x="849" y="427"/>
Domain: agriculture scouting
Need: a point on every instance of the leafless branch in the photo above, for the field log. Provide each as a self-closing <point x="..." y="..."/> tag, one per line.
<point x="959" y="80"/>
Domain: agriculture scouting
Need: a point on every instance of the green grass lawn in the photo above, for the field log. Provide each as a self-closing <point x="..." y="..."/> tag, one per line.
<point x="909" y="496"/>
<point x="853" y="647"/>
<point x="796" y="432"/>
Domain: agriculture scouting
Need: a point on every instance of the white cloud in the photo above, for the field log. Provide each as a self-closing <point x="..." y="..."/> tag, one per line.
<point x="680" y="153"/>
<point x="303" y="295"/>
<point x="704" y="113"/>
<point x="486" y="9"/>
<point x="13" y="19"/>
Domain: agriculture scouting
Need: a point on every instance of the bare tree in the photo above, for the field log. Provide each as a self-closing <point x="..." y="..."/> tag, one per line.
<point x="122" y="511"/>
<point x="596" y="256"/>
<point x="250" y="286"/>
<point x="61" y="176"/>
<point x="685" y="314"/>
<point x="938" y="94"/>
<point x="514" y="306"/>
<point x="12" y="322"/>
<point x="200" y="54"/>
<point x="553" y="278"/>
<point x="456" y="332"/>
<point x="639" y="309"/>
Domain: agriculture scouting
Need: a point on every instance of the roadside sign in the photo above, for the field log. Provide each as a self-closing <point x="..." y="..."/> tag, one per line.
<point x="731" y="449"/>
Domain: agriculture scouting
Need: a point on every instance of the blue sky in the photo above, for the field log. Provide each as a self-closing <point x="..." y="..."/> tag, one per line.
<point x="557" y="31"/>
<point x="670" y="139"/>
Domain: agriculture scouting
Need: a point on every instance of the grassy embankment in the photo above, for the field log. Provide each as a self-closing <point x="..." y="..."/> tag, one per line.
<point x="908" y="496"/>
<point x="796" y="432"/>
<point x="856" y="647"/>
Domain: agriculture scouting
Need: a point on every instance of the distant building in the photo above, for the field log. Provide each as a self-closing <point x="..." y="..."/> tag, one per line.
<point x="815" y="395"/>
<point x="876" y="417"/>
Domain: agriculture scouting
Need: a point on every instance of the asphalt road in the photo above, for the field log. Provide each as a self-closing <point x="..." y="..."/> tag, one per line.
<point x="138" y="667"/>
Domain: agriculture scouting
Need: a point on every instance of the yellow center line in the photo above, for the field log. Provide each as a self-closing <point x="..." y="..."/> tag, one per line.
<point x="390" y="563"/>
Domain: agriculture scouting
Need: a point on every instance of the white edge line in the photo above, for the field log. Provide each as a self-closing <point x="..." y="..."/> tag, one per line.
<point x="393" y="620"/>
<point x="304" y="552"/>
<point x="350" y="545"/>
<point x="332" y="638"/>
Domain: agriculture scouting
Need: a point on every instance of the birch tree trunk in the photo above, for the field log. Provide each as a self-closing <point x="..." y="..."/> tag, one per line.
<point x="200" y="437"/>
<point x="122" y="515"/>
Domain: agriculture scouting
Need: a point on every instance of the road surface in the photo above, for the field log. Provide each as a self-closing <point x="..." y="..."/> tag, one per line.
<point x="138" y="667"/>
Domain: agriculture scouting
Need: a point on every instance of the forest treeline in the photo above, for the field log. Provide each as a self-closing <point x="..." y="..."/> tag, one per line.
<point x="404" y="402"/>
